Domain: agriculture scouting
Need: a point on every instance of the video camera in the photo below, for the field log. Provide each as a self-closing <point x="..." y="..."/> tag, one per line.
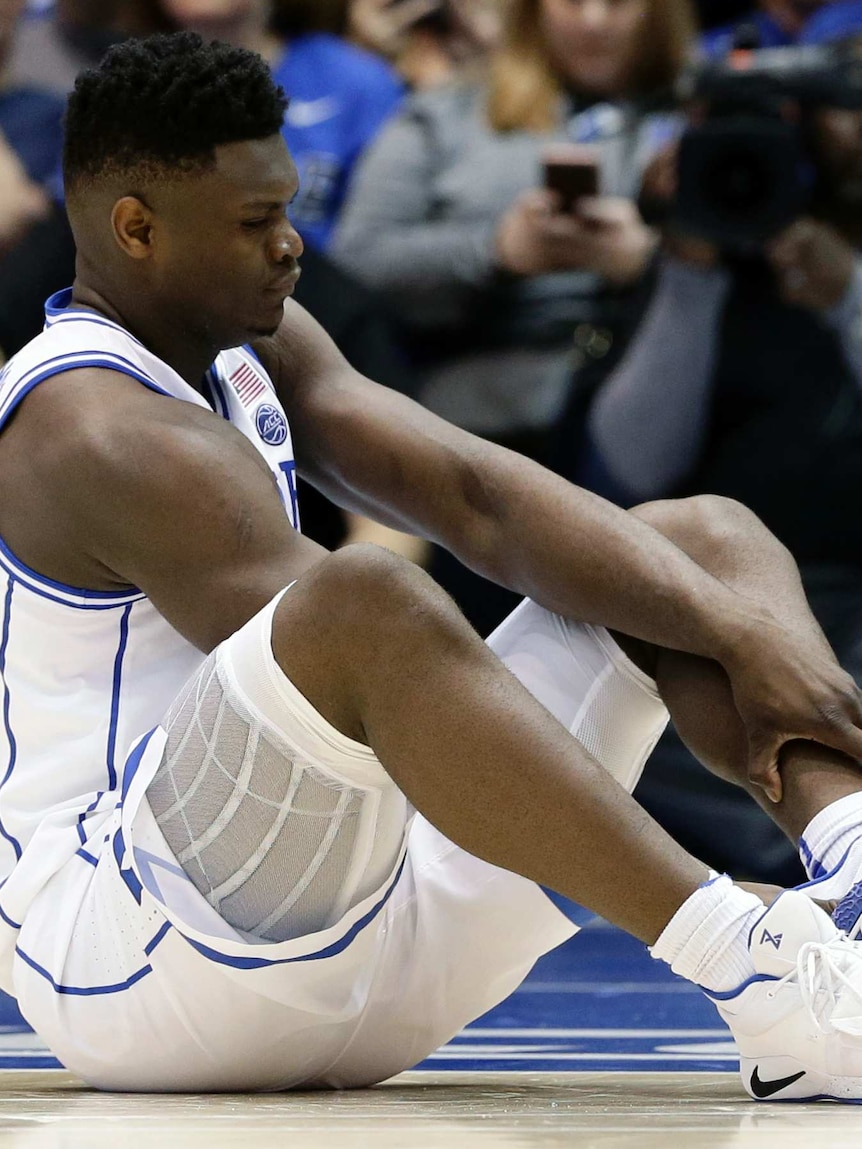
<point x="746" y="165"/>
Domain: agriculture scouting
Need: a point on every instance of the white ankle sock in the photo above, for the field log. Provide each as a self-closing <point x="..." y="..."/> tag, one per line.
<point x="829" y="833"/>
<point x="706" y="940"/>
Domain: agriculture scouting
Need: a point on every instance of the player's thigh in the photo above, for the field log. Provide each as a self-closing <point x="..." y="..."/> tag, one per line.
<point x="126" y="935"/>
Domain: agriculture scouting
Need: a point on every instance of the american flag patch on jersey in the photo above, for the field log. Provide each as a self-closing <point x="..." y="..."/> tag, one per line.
<point x="247" y="384"/>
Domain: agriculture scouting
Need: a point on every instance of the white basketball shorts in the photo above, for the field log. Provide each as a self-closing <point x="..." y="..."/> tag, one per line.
<point x="137" y="983"/>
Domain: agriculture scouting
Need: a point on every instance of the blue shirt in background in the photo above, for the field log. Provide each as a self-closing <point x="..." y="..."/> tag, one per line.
<point x="32" y="122"/>
<point x="833" y="21"/>
<point x="340" y="96"/>
<point x="719" y="41"/>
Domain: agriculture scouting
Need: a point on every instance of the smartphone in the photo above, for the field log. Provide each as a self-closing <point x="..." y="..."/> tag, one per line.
<point x="572" y="171"/>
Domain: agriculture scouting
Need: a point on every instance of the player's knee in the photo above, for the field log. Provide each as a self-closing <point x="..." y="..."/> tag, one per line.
<point x="370" y="592"/>
<point x="712" y="528"/>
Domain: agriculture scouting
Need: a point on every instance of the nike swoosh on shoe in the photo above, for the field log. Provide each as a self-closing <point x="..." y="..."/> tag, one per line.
<point x="764" y="1089"/>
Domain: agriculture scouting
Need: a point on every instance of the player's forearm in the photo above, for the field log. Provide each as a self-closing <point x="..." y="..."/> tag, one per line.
<point x="584" y="558"/>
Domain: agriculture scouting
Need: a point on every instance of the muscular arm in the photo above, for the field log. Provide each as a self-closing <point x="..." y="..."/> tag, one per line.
<point x="136" y="489"/>
<point x="511" y="520"/>
<point x="378" y="453"/>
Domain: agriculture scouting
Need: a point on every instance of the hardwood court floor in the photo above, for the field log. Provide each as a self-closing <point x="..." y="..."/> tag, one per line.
<point x="601" y="1048"/>
<point x="47" y="1109"/>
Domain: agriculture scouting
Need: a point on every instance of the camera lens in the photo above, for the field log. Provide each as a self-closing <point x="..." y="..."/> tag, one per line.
<point x="740" y="179"/>
<point x="738" y="182"/>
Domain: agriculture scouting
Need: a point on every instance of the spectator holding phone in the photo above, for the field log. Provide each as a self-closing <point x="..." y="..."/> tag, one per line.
<point x="448" y="217"/>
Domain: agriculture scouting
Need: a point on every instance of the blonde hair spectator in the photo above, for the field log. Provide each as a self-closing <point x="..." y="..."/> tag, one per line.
<point x="526" y="82"/>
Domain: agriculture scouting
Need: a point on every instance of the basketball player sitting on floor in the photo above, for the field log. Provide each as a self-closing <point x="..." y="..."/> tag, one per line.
<point x="216" y="734"/>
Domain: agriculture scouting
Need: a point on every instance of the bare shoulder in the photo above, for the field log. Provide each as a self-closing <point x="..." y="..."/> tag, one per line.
<point x="93" y="465"/>
<point x="92" y="425"/>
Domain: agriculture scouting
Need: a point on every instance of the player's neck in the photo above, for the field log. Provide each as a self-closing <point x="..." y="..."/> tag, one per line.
<point x="169" y="338"/>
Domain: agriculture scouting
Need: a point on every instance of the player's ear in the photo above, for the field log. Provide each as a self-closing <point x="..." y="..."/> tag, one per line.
<point x="132" y="223"/>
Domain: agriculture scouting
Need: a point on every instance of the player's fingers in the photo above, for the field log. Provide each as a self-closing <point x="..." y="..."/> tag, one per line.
<point x="763" y="765"/>
<point x="843" y="733"/>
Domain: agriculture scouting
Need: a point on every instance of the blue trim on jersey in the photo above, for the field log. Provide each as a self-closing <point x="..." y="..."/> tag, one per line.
<point x="247" y="347"/>
<point x="13" y="745"/>
<point x="8" y="920"/>
<point x="87" y="856"/>
<point x="133" y="762"/>
<point x="115" y="696"/>
<point x="329" y="951"/>
<point x="128" y="875"/>
<point x="82" y="818"/>
<point x="97" y="599"/>
<point x="64" y="601"/>
<point x="219" y="397"/>
<point x="119" y="846"/>
<point x="118" y="363"/>
<point x="76" y="316"/>
<point x="57" y="308"/>
<point x="151" y="945"/>
<point x="85" y="991"/>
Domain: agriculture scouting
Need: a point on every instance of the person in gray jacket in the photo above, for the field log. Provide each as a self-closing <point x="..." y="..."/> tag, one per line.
<point x="447" y="215"/>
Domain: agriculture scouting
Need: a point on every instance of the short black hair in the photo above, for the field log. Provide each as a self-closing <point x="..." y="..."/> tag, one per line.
<point x="163" y="104"/>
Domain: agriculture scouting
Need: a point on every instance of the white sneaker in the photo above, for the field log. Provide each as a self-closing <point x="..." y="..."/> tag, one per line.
<point x="798" y="1022"/>
<point x="842" y="885"/>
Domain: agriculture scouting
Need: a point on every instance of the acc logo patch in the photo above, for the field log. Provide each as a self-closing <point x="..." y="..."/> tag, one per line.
<point x="271" y="425"/>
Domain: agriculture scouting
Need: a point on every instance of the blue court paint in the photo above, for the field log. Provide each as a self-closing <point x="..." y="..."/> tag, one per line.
<point x="599" y="1002"/>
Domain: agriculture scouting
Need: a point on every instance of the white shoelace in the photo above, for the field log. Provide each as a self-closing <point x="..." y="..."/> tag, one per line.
<point x="823" y="970"/>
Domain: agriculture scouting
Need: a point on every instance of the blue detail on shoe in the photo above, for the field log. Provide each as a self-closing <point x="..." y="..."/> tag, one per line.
<point x="814" y="1097"/>
<point x="774" y="940"/>
<point x="730" y="994"/>
<point x="849" y="910"/>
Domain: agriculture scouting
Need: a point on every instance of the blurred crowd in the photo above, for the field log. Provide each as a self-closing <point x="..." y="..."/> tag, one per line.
<point x="620" y="237"/>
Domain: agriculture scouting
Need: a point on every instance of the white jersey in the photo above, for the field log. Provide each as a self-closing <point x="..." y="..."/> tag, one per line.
<point x="120" y="963"/>
<point x="84" y="673"/>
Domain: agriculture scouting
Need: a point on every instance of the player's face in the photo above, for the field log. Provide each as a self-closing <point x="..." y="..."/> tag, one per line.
<point x="228" y="257"/>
